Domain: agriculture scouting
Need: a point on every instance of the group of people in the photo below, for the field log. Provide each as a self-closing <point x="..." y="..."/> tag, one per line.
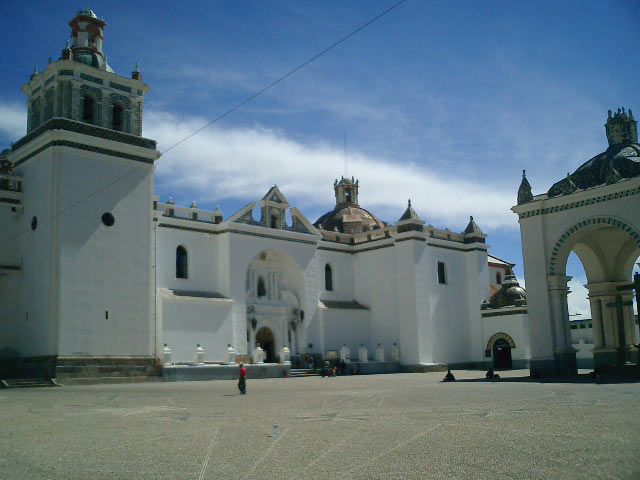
<point x="491" y="375"/>
<point x="329" y="370"/>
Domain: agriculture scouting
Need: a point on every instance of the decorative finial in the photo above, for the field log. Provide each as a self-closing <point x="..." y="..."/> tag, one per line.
<point x="137" y="67"/>
<point x="170" y="201"/>
<point x="66" y="44"/>
<point x="608" y="113"/>
<point x="35" y="70"/>
<point x="193" y="205"/>
<point x="409" y="203"/>
<point x="524" y="174"/>
<point x="49" y="59"/>
<point x="471" y="218"/>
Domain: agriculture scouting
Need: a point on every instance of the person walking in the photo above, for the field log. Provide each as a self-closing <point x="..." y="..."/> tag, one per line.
<point x="242" y="380"/>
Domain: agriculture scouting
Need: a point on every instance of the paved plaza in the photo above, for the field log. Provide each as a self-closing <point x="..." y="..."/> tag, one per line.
<point x="364" y="427"/>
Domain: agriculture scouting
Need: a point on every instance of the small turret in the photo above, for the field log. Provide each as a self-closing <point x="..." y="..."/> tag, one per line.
<point x="473" y="233"/>
<point x="524" y="192"/>
<point x="136" y="75"/>
<point x="409" y="221"/>
<point x="621" y="128"/>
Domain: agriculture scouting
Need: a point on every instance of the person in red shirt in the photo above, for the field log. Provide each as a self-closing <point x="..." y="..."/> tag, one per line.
<point x="242" y="380"/>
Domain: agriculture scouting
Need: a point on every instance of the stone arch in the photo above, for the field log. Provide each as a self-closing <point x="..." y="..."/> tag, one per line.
<point x="48" y="104"/>
<point x="36" y="114"/>
<point x="579" y="227"/>
<point x="117" y="99"/>
<point x="96" y="93"/>
<point x="497" y="336"/>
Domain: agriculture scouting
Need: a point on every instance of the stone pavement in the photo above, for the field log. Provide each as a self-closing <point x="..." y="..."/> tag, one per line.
<point x="364" y="427"/>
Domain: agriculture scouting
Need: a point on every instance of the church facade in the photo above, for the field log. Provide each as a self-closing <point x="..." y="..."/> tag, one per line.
<point x="94" y="267"/>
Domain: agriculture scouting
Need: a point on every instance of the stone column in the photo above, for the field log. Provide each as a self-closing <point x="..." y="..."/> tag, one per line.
<point x="604" y="321"/>
<point x="629" y="320"/>
<point x="596" y="321"/>
<point x="564" y="354"/>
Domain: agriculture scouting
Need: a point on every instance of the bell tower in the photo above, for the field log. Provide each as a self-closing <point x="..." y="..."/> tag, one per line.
<point x="81" y="85"/>
<point x="86" y="287"/>
<point x="346" y="191"/>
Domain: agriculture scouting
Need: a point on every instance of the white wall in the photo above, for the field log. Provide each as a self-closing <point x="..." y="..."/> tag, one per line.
<point x="516" y="326"/>
<point x="202" y="260"/>
<point x="105" y="269"/>
<point x="9" y="308"/>
<point x="39" y="294"/>
<point x="375" y="276"/>
<point x="350" y="327"/>
<point x="449" y="306"/>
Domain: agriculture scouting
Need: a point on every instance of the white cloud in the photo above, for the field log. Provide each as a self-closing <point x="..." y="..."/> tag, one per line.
<point x="220" y="164"/>
<point x="577" y="299"/>
<point x="13" y="121"/>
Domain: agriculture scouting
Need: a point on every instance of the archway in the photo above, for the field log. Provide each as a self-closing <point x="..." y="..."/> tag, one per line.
<point x="607" y="249"/>
<point x="502" y="355"/>
<point x="265" y="338"/>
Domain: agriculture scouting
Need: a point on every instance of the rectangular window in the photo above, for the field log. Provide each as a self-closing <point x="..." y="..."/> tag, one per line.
<point x="442" y="277"/>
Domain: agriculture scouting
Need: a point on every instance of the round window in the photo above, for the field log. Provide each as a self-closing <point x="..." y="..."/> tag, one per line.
<point x="107" y="219"/>
<point x="34" y="223"/>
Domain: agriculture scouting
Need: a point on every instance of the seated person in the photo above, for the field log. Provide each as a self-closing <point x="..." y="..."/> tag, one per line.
<point x="449" y="377"/>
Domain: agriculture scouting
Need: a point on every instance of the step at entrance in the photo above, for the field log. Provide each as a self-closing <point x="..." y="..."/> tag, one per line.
<point x="28" y="383"/>
<point x="302" y="372"/>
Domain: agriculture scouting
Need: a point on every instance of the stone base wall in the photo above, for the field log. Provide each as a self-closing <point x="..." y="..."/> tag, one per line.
<point x="101" y="367"/>
<point x="516" y="364"/>
<point x="424" y="368"/>
<point x="78" y="367"/>
<point x="185" y="373"/>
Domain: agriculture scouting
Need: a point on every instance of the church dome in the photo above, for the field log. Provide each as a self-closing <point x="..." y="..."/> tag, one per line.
<point x="510" y="295"/>
<point x="93" y="60"/>
<point x="87" y="12"/>
<point x="342" y="217"/>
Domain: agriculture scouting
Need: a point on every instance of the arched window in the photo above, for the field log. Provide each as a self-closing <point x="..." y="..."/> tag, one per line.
<point x="262" y="289"/>
<point x="498" y="278"/>
<point x="88" y="109"/>
<point x="48" y="105"/>
<point x="274" y="221"/>
<point x="35" y="114"/>
<point x="328" y="278"/>
<point x="347" y="196"/>
<point x="117" y="122"/>
<point x="181" y="263"/>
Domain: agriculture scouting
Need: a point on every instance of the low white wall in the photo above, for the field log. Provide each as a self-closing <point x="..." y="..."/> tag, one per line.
<point x="186" y="323"/>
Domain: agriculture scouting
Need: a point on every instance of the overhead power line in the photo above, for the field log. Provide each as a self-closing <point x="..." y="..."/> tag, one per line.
<point x="219" y="117"/>
<point x="287" y="75"/>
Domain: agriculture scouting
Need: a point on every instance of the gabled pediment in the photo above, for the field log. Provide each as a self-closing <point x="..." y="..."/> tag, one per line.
<point x="244" y="215"/>
<point x="274" y="195"/>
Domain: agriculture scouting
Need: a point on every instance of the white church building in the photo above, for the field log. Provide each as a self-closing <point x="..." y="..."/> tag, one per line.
<point x="97" y="274"/>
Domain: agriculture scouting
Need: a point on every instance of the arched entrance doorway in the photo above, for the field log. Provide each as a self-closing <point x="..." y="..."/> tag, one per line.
<point x="501" y="354"/>
<point x="275" y="289"/>
<point x="264" y="337"/>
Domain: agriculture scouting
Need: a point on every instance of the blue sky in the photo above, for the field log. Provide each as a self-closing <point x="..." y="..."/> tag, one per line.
<point x="442" y="102"/>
